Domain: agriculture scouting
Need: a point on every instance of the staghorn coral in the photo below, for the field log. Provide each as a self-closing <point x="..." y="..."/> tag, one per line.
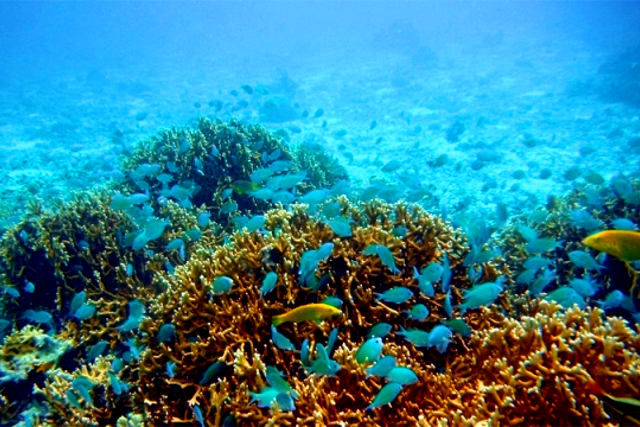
<point x="233" y="328"/>
<point x="215" y="158"/>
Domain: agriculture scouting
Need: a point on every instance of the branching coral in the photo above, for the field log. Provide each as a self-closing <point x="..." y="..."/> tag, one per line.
<point x="234" y="328"/>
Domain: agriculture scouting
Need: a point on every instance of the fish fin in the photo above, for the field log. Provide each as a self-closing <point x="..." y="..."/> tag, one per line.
<point x="277" y="320"/>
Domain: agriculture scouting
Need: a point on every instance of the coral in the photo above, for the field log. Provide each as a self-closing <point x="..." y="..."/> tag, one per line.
<point x="567" y="220"/>
<point x="234" y="328"/>
<point x="212" y="165"/>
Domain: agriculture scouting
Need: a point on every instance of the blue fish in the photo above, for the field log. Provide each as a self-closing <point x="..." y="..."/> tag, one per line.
<point x="446" y="273"/>
<point x="386" y="395"/>
<point x="402" y="375"/>
<point x="417" y="337"/>
<point x="379" y="330"/>
<point x="280" y="341"/>
<point x="480" y="295"/>
<point x="382" y="366"/>
<point x="439" y="337"/>
<point x="584" y="260"/>
<point x="395" y="295"/>
<point x="418" y="312"/>
<point x="425" y="286"/>
<point x="369" y="351"/>
<point x="269" y="283"/>
<point x="221" y="285"/>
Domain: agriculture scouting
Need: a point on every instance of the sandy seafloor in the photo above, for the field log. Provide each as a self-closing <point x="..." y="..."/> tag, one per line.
<point x="64" y="128"/>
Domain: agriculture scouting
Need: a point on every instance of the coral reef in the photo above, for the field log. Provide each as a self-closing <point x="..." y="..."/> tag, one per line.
<point x="233" y="328"/>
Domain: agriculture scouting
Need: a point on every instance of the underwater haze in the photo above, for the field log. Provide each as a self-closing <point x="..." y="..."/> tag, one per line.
<point x="319" y="212"/>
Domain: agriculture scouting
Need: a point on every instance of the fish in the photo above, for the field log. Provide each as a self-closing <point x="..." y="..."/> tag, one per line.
<point x="369" y="351"/>
<point x="622" y="244"/>
<point x="402" y="375"/>
<point x="418" y="312"/>
<point x="282" y="342"/>
<point x="314" y="312"/>
<point x="269" y="283"/>
<point x="583" y="260"/>
<point x="439" y="337"/>
<point x="395" y="295"/>
<point x="566" y="296"/>
<point x="386" y="395"/>
<point x="323" y="365"/>
<point x="382" y="367"/>
<point x="222" y="284"/>
<point x="585" y="287"/>
<point x="480" y="295"/>
<point x="386" y="256"/>
<point x="265" y="397"/>
<point x="417" y="337"/>
<point x="425" y="286"/>
<point x="459" y="326"/>
<point x="340" y="226"/>
<point x="379" y="330"/>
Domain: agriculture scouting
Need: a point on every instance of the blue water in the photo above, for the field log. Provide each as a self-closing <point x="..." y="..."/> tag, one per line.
<point x="489" y="110"/>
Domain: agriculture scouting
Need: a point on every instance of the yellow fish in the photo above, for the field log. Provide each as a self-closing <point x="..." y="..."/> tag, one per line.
<point x="315" y="312"/>
<point x="622" y="244"/>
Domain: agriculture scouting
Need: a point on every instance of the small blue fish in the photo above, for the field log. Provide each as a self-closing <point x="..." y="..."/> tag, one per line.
<point x="542" y="244"/>
<point x="425" y="286"/>
<point x="446" y="273"/>
<point x="584" y="260"/>
<point x="255" y="223"/>
<point x="446" y="305"/>
<point x="386" y="395"/>
<point x="418" y="312"/>
<point x="382" y="366"/>
<point x="96" y="350"/>
<point x="197" y="413"/>
<point x="275" y="380"/>
<point x="269" y="283"/>
<point x="417" y="337"/>
<point x="542" y="281"/>
<point x="402" y="375"/>
<point x="285" y="402"/>
<point x="536" y="263"/>
<point x="214" y="370"/>
<point x="323" y="365"/>
<point x="221" y="285"/>
<point x="439" y="337"/>
<point x="386" y="256"/>
<point x="614" y="299"/>
<point x="84" y="312"/>
<point x="395" y="295"/>
<point x="585" y="287"/>
<point x="379" y="330"/>
<point x="526" y="277"/>
<point x="265" y="398"/>
<point x="280" y="341"/>
<point x="432" y="272"/>
<point x="624" y="224"/>
<point x="527" y="233"/>
<point x="341" y="227"/>
<point x="166" y="333"/>
<point x="566" y="296"/>
<point x="331" y="342"/>
<point x="369" y="351"/>
<point x="171" y="369"/>
<point x="480" y="295"/>
<point x="459" y="326"/>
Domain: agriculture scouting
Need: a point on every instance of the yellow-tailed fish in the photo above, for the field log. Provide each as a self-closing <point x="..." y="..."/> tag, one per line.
<point x="315" y="312"/>
<point x="622" y="244"/>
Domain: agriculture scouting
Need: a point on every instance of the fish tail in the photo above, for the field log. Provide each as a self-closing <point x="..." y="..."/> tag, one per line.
<point x="277" y="320"/>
